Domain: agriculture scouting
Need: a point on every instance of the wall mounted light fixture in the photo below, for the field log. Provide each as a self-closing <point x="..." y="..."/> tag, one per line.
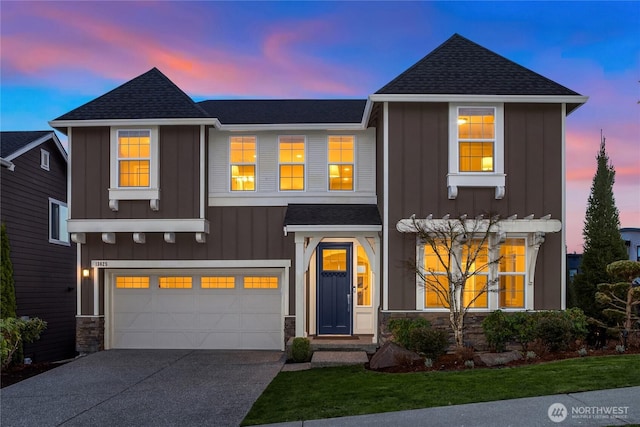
<point x="86" y="272"/>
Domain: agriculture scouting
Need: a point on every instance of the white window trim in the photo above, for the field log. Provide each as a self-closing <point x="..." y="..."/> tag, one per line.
<point x="495" y="179"/>
<point x="151" y="193"/>
<point x="303" y="163"/>
<point x="45" y="159"/>
<point x="60" y="219"/>
<point x="255" y="165"/>
<point x="493" y="296"/>
<point x="353" y="172"/>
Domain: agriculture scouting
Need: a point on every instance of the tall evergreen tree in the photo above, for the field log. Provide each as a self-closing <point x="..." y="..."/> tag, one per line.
<point x="7" y="289"/>
<point x="602" y="241"/>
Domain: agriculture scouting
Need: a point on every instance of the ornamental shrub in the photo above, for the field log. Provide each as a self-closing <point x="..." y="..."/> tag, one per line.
<point x="497" y="330"/>
<point x="554" y="329"/>
<point x="301" y="350"/>
<point x="14" y="332"/>
<point x="401" y="329"/>
<point x="523" y="328"/>
<point x="432" y="343"/>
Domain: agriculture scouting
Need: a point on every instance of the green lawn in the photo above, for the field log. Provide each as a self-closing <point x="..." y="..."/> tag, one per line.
<point x="352" y="390"/>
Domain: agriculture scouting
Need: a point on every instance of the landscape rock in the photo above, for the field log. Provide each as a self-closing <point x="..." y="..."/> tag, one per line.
<point x="391" y="354"/>
<point x="496" y="359"/>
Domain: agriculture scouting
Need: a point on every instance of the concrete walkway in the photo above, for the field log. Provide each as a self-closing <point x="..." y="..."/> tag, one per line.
<point x="595" y="408"/>
<point x="143" y="388"/>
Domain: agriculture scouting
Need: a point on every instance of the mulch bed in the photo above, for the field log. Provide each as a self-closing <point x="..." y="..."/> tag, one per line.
<point x="456" y="362"/>
<point x="15" y="374"/>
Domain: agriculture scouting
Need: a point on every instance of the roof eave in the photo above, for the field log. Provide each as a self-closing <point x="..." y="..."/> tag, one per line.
<point x="293" y="126"/>
<point x="37" y="142"/>
<point x="560" y="99"/>
<point x="62" y="125"/>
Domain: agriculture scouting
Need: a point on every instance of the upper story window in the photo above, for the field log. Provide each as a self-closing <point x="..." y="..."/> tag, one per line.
<point x="134" y="158"/>
<point x="476" y="139"/>
<point x="58" y="213"/>
<point x="44" y="159"/>
<point x="135" y="163"/>
<point x="242" y="158"/>
<point x="476" y="148"/>
<point x="292" y="160"/>
<point x="341" y="155"/>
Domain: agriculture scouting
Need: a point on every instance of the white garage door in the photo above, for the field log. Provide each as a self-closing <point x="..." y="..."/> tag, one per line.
<point x="210" y="310"/>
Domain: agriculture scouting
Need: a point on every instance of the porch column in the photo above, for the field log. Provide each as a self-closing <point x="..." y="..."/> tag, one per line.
<point x="299" y="287"/>
<point x="377" y="288"/>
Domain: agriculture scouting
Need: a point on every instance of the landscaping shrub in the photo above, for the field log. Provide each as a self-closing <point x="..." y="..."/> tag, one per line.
<point x="579" y="323"/>
<point x="432" y="343"/>
<point x="497" y="330"/>
<point x="523" y="328"/>
<point x="401" y="329"/>
<point x="14" y="332"/>
<point x="301" y="350"/>
<point x="554" y="329"/>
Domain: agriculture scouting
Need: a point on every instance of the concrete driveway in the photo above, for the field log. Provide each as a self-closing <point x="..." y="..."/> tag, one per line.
<point x="143" y="388"/>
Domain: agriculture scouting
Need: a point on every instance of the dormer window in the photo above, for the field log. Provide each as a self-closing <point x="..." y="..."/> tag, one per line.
<point x="476" y="148"/>
<point x="134" y="166"/>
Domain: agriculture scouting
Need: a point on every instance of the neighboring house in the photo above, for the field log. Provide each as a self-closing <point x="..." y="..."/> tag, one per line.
<point x="33" y="205"/>
<point x="573" y="265"/>
<point x="631" y="237"/>
<point x="241" y="223"/>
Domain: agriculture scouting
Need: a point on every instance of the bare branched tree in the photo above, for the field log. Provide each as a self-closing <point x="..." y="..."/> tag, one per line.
<point x="458" y="253"/>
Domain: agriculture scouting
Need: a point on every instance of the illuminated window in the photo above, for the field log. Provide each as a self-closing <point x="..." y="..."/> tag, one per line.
<point x="475" y="261"/>
<point x="292" y="163"/>
<point x="436" y="285"/>
<point x="476" y="135"/>
<point x="334" y="259"/>
<point x="174" y="282"/>
<point x="242" y="158"/>
<point x="511" y="272"/>
<point x="134" y="158"/>
<point x="132" y="282"/>
<point x="261" y="282"/>
<point x="218" y="282"/>
<point x="364" y="279"/>
<point x="341" y="161"/>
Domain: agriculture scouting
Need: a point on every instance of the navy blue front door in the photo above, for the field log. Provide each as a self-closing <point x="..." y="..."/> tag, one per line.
<point x="334" y="288"/>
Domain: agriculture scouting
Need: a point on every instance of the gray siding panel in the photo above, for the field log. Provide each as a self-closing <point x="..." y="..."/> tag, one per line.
<point x="44" y="272"/>
<point x="418" y="167"/>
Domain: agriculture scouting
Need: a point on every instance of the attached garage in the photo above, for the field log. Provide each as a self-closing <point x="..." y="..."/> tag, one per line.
<point x="195" y="309"/>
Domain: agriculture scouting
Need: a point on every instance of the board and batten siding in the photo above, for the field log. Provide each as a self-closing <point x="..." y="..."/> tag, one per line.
<point x="418" y="167"/>
<point x="44" y="272"/>
<point x="267" y="170"/>
<point x="179" y="175"/>
<point x="236" y="233"/>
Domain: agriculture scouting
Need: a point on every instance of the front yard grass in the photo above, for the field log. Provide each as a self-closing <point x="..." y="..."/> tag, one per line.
<point x="353" y="390"/>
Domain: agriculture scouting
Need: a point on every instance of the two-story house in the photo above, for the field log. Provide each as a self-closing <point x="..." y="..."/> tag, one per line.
<point x="240" y="223"/>
<point x="33" y="206"/>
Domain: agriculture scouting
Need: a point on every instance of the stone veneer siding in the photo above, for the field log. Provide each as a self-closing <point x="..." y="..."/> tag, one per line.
<point x="289" y="328"/>
<point x="473" y="334"/>
<point x="89" y="334"/>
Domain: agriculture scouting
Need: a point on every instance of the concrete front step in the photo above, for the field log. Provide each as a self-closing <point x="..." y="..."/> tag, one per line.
<point x="323" y="359"/>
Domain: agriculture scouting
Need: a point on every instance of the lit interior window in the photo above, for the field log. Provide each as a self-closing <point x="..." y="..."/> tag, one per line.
<point x="261" y="282"/>
<point x="511" y="272"/>
<point x="475" y="289"/>
<point x="174" y="282"/>
<point x="217" y="282"/>
<point x="134" y="154"/>
<point x="292" y="160"/>
<point x="132" y="282"/>
<point x="364" y="278"/>
<point x="476" y="136"/>
<point x="341" y="162"/>
<point x="436" y="275"/>
<point x="242" y="157"/>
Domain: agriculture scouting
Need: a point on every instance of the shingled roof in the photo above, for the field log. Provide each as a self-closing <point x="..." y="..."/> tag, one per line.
<point x="149" y="96"/>
<point x="281" y="111"/>
<point x="11" y="142"/>
<point x="332" y="214"/>
<point x="460" y="66"/>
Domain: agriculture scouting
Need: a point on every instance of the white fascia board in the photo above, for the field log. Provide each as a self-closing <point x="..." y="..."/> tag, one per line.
<point x="507" y="225"/>
<point x="367" y="113"/>
<point x="134" y="122"/>
<point x="235" y="263"/>
<point x="7" y="164"/>
<point x="293" y="127"/>
<point x="138" y="225"/>
<point x="38" y="142"/>
<point x="328" y="228"/>
<point x="568" y="99"/>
